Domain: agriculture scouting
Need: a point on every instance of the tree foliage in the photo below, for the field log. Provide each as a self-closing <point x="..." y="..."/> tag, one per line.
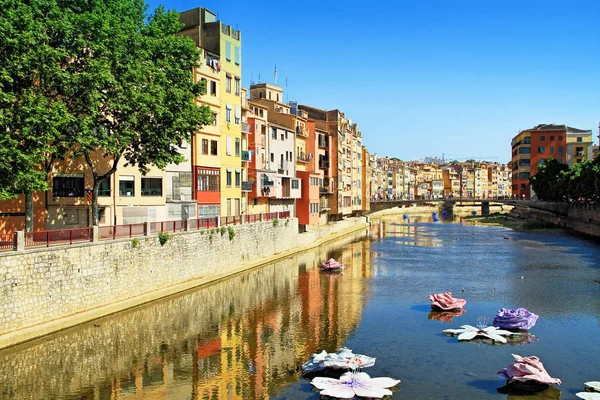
<point x="33" y="112"/>
<point x="557" y="182"/>
<point x="97" y="79"/>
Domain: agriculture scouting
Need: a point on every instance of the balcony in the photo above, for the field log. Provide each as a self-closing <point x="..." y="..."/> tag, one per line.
<point x="324" y="144"/>
<point x="303" y="157"/>
<point x="323" y="164"/>
<point x="245" y="127"/>
<point x="579" y="153"/>
<point x="301" y="131"/>
<point x="247" y="186"/>
<point x="246" y="156"/>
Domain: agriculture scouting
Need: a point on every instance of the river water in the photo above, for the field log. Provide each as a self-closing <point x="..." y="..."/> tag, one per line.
<point x="245" y="337"/>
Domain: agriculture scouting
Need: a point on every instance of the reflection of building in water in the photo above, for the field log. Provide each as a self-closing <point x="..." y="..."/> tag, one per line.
<point x="242" y="338"/>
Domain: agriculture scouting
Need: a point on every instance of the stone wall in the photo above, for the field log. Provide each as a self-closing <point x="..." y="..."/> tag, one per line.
<point x="45" y="290"/>
<point x="580" y="218"/>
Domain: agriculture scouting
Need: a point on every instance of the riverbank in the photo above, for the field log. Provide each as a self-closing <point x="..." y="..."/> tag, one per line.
<point x="50" y="289"/>
<point x="458" y="210"/>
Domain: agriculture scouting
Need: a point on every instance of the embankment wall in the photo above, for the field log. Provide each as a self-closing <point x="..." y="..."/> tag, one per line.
<point x="580" y="218"/>
<point x="45" y="290"/>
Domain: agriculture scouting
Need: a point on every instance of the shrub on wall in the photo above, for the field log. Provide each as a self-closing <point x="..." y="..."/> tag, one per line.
<point x="223" y="230"/>
<point x="135" y="242"/>
<point x="275" y="222"/>
<point x="231" y="233"/>
<point x="163" y="237"/>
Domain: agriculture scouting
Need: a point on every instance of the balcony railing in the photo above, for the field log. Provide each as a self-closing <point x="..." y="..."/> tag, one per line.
<point x="246" y="186"/>
<point x="245" y="127"/>
<point x="245" y="155"/>
<point x="303" y="157"/>
<point x="301" y="131"/>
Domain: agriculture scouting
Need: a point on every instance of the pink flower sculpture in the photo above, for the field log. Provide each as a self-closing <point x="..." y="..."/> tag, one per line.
<point x="353" y="384"/>
<point x="527" y="369"/>
<point x="445" y="301"/>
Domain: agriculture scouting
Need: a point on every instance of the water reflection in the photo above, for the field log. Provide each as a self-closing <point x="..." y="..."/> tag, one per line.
<point x="445" y="316"/>
<point x="242" y="338"/>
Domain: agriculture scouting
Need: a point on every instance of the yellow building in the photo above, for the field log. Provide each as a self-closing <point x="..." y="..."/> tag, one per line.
<point x="221" y="40"/>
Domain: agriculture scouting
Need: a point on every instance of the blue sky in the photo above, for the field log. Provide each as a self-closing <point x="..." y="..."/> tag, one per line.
<point x="426" y="78"/>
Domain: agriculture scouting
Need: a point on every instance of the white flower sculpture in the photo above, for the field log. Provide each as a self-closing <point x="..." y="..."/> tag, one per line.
<point x="353" y="384"/>
<point x="592" y="391"/>
<point x="468" y="332"/>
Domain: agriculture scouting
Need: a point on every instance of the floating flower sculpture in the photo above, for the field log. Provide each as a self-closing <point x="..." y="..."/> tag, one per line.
<point x="445" y="301"/>
<point x="341" y="359"/>
<point x="468" y="332"/>
<point x="592" y="391"/>
<point x="353" y="384"/>
<point x="527" y="369"/>
<point x="515" y="319"/>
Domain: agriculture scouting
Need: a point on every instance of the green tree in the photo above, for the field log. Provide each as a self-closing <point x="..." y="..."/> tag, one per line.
<point x="133" y="89"/>
<point x="33" y="113"/>
<point x="549" y="182"/>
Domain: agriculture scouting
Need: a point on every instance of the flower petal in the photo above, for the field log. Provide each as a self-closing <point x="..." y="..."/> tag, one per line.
<point x="371" y="391"/>
<point x="384" y="382"/>
<point x="495" y="338"/>
<point x="467" y="335"/>
<point x="339" y="391"/>
<point x="321" y="383"/>
<point x="469" y="327"/>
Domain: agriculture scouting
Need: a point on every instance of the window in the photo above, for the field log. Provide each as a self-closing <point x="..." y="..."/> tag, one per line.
<point x="228" y="84"/>
<point x="238" y="175"/>
<point x="272" y="157"/>
<point x="527" y="140"/>
<point x="204" y="83"/>
<point x="237" y="86"/>
<point x="204" y="146"/>
<point x="67" y="186"/>
<point x="551" y="149"/>
<point x="523" y="175"/>
<point x="237" y="147"/>
<point x="542" y="138"/>
<point x="560" y="138"/>
<point x="104" y="188"/>
<point x="215" y="119"/>
<point x="524" y="162"/>
<point x="228" y="51"/>
<point x="551" y="137"/>
<point x="314" y="208"/>
<point x="228" y="145"/>
<point x="282" y="136"/>
<point x="541" y="149"/>
<point x="126" y="186"/>
<point x="228" y="115"/>
<point x="523" y="186"/>
<point x="236" y="55"/>
<point x="213" y="88"/>
<point x="560" y="150"/>
<point x="274" y="133"/>
<point x="580" y="139"/>
<point x="213" y="147"/>
<point x="228" y="177"/>
<point x="238" y="115"/>
<point x="208" y="180"/>
<point x="277" y="96"/>
<point x="295" y="184"/>
<point x="524" y="150"/>
<point x="151" y="186"/>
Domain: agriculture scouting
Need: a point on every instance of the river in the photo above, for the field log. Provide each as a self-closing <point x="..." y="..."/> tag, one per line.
<point x="245" y="337"/>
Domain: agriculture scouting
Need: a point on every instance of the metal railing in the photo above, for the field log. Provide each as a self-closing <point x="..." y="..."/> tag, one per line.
<point x="203" y="223"/>
<point x="231" y="220"/>
<point x="57" y="237"/>
<point x="246" y="186"/>
<point x="120" y="231"/>
<point x="70" y="236"/>
<point x="245" y="155"/>
<point x="7" y="241"/>
<point x="168" y="226"/>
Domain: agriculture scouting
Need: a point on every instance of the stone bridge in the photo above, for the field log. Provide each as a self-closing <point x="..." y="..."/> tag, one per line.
<point x="448" y="204"/>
